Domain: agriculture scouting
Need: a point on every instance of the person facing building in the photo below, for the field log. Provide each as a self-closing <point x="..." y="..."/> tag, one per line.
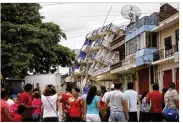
<point x="156" y="100"/>
<point x="171" y="97"/>
<point x="132" y="97"/>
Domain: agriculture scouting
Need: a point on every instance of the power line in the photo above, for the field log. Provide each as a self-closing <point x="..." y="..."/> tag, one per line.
<point x="89" y="25"/>
<point x="89" y="30"/>
<point x="92" y="15"/>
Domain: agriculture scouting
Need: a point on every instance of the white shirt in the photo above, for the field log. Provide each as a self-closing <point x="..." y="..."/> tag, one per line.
<point x="10" y="102"/>
<point x="47" y="108"/>
<point x="116" y="97"/>
<point x="106" y="95"/>
<point x="132" y="98"/>
<point x="104" y="98"/>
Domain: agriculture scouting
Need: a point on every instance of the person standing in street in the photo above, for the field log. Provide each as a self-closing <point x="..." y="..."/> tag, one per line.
<point x="49" y="108"/>
<point x="132" y="98"/>
<point x="144" y="108"/>
<point x="37" y="102"/>
<point x="5" y="113"/>
<point x="171" y="99"/>
<point x="92" y="106"/>
<point x="118" y="105"/>
<point x="25" y="99"/>
<point x="75" y="106"/>
<point x="64" y="101"/>
<point x="156" y="100"/>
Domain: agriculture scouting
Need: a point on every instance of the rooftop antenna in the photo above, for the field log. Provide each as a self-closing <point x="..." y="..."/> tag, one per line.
<point x="131" y="12"/>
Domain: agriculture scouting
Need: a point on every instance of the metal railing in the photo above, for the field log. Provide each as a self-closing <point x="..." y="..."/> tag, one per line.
<point x="103" y="29"/>
<point x="164" y="53"/>
<point x="126" y="63"/>
<point x="119" y="39"/>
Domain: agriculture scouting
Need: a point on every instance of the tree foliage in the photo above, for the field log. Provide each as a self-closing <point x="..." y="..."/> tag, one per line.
<point x="28" y="44"/>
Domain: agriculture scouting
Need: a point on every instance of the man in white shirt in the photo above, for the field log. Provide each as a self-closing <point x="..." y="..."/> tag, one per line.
<point x="132" y="97"/>
<point x="118" y="106"/>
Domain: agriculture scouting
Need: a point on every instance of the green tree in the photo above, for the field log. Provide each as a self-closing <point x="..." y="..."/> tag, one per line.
<point x="28" y="44"/>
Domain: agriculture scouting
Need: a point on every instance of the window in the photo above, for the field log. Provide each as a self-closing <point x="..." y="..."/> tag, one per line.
<point x="177" y="35"/>
<point x="151" y="39"/>
<point x="155" y="74"/>
<point x="131" y="47"/>
<point x="177" y="39"/>
<point x="168" y="43"/>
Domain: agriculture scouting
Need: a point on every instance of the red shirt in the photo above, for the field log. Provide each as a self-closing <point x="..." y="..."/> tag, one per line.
<point x="4" y="105"/>
<point x="65" y="98"/>
<point x="17" y="118"/>
<point x="156" y="101"/>
<point x="38" y="103"/>
<point x="75" y="108"/>
<point x="25" y="98"/>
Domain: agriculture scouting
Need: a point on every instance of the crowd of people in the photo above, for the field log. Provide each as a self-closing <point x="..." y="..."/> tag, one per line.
<point x="90" y="105"/>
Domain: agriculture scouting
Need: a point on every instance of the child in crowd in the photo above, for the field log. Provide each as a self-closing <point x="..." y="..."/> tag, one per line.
<point x="37" y="102"/>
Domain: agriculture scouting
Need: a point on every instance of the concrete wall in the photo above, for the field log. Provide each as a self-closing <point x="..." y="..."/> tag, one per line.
<point x="170" y="31"/>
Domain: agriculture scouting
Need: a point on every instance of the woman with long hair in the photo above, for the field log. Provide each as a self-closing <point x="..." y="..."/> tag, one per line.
<point x="92" y="105"/>
<point x="75" y="106"/>
<point x="50" y="104"/>
<point x="144" y="108"/>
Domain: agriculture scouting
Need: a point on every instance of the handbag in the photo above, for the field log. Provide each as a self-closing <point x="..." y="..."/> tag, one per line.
<point x="170" y="113"/>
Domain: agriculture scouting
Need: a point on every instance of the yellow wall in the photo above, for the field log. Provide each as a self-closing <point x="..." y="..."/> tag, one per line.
<point x="170" y="31"/>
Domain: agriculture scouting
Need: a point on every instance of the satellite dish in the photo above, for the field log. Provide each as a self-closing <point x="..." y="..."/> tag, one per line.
<point x="131" y="12"/>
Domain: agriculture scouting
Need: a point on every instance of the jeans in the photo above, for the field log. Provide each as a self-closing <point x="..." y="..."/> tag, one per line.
<point x="118" y="116"/>
<point x="93" y="118"/>
<point x="36" y="117"/>
<point x="50" y="119"/>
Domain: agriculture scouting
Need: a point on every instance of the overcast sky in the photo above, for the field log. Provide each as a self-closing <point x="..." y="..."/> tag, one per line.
<point x="78" y="19"/>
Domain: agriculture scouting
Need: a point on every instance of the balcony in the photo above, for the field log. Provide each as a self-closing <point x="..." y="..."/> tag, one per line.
<point x="164" y="54"/>
<point x="97" y="34"/>
<point x="101" y="71"/>
<point x="84" y="49"/>
<point x="105" y="44"/>
<point x="117" y="43"/>
<point x="122" y="66"/>
<point x="102" y="59"/>
<point x="116" y="65"/>
<point x="145" y="56"/>
<point x="94" y="48"/>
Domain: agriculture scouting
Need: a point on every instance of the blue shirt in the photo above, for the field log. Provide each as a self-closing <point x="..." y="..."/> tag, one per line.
<point x="92" y="107"/>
